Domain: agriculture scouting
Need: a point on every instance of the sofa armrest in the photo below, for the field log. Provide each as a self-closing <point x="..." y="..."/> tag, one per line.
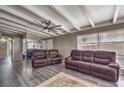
<point x="59" y="55"/>
<point x="67" y="58"/>
<point x="114" y="65"/>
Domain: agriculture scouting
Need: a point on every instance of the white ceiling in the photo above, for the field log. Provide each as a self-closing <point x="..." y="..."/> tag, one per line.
<point x="19" y="18"/>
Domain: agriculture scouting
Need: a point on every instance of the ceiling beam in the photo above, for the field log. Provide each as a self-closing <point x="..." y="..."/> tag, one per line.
<point x="43" y="15"/>
<point x="1" y="31"/>
<point x="15" y="12"/>
<point x="11" y="23"/>
<point x="18" y="29"/>
<point x="87" y="15"/>
<point x="21" y="16"/>
<point x="24" y="27"/>
<point x="13" y="18"/>
<point x="6" y="33"/>
<point x="8" y="30"/>
<point x="59" y="10"/>
<point x="13" y="30"/>
<point x="116" y="12"/>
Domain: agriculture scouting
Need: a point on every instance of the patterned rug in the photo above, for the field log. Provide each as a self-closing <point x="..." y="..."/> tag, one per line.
<point x="65" y="80"/>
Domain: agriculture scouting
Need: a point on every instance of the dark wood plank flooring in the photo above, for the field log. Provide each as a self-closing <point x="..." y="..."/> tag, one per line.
<point x="21" y="74"/>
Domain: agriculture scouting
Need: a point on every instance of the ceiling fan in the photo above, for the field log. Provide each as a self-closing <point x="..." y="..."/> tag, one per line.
<point x="48" y="26"/>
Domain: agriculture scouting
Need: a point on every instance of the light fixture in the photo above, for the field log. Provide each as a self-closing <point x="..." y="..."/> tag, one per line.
<point x="3" y="39"/>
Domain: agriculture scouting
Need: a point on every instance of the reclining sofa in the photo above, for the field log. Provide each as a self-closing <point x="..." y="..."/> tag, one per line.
<point x="100" y="64"/>
<point x="42" y="58"/>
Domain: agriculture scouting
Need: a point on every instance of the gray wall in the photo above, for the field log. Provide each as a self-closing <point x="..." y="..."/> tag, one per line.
<point x="65" y="44"/>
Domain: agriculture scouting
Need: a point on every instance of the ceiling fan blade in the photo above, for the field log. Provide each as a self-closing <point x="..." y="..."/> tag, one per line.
<point x="42" y="30"/>
<point x="38" y="23"/>
<point x="53" y="30"/>
<point x="57" y="29"/>
<point x="37" y="28"/>
<point x="55" y="26"/>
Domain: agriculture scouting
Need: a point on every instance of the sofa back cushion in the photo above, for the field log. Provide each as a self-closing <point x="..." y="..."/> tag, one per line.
<point x="87" y="56"/>
<point x="30" y="53"/>
<point x="104" y="57"/>
<point x="39" y="53"/>
<point x="47" y="53"/>
<point x="53" y="53"/>
<point x="76" y="54"/>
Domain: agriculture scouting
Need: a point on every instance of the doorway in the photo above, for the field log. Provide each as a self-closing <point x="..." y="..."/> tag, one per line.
<point x="5" y="51"/>
<point x="5" y="47"/>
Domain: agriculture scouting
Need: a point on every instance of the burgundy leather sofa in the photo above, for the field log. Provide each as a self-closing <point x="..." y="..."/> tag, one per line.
<point x="42" y="58"/>
<point x="101" y="64"/>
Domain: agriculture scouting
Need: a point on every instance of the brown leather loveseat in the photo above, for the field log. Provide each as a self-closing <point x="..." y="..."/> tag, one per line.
<point x="42" y="58"/>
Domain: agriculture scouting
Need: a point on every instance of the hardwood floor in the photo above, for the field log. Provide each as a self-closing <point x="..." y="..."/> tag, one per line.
<point x="21" y="74"/>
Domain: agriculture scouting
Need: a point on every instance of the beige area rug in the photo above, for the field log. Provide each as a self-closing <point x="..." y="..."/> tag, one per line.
<point x="65" y="80"/>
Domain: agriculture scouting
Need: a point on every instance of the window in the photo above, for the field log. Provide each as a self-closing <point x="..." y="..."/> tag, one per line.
<point x="47" y="44"/>
<point x="87" y="41"/>
<point x="110" y="41"/>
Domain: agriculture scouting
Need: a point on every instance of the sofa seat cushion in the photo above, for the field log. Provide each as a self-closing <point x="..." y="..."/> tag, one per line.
<point x="112" y="78"/>
<point x="103" y="69"/>
<point x="56" y="58"/>
<point x="84" y="65"/>
<point x="72" y="62"/>
<point x="40" y="61"/>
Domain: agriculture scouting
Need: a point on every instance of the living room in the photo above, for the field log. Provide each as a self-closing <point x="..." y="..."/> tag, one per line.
<point x="61" y="46"/>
